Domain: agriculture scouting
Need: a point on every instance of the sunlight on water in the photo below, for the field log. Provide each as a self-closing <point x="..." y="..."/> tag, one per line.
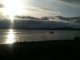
<point x="10" y="37"/>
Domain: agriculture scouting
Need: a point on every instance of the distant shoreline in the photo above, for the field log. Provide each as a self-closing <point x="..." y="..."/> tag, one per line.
<point x="38" y="29"/>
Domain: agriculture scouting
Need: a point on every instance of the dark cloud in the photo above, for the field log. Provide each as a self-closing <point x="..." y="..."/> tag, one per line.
<point x="1" y="6"/>
<point x="27" y="17"/>
<point x="69" y="19"/>
<point x="75" y="20"/>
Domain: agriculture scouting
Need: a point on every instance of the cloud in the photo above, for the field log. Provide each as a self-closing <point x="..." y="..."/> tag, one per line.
<point x="1" y="6"/>
<point x="71" y="1"/>
<point x="40" y="9"/>
<point x="2" y="16"/>
<point x="47" y="9"/>
<point x="74" y="20"/>
<point x="71" y="20"/>
<point x="74" y="3"/>
<point x="27" y="18"/>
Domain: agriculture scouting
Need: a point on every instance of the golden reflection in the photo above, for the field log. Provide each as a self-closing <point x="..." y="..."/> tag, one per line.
<point x="10" y="37"/>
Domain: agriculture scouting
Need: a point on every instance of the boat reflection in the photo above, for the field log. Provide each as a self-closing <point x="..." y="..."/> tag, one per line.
<point x="10" y="37"/>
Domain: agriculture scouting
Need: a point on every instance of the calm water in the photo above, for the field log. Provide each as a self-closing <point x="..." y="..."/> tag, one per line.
<point x="11" y="36"/>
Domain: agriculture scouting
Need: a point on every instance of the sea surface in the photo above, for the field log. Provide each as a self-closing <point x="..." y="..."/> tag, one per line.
<point x="8" y="36"/>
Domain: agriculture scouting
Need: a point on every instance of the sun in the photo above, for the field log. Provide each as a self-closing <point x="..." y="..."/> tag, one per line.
<point x="12" y="8"/>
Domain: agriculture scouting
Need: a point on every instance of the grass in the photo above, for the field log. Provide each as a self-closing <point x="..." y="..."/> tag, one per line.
<point x="44" y="50"/>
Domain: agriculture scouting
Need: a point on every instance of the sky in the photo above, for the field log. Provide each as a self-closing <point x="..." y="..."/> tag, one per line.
<point x="40" y="8"/>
